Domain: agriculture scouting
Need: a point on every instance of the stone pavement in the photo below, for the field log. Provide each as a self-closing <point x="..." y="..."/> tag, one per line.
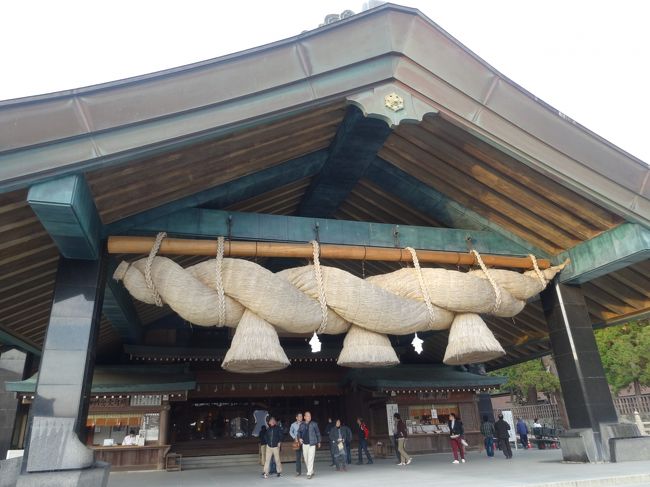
<point x="529" y="468"/>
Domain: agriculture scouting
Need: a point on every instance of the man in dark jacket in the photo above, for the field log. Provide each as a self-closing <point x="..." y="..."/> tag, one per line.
<point x="273" y="436"/>
<point x="309" y="436"/>
<point x="522" y="431"/>
<point x="338" y="438"/>
<point x="362" y="432"/>
<point x="501" y="429"/>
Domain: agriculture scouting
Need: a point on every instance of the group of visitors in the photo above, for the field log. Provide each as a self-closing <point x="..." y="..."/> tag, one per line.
<point x="307" y="438"/>
<point x="501" y="432"/>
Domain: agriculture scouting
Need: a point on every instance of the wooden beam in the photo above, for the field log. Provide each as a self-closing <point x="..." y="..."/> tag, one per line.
<point x="14" y="341"/>
<point x="610" y="251"/>
<point x="355" y="146"/>
<point x="118" y="307"/>
<point x="196" y="222"/>
<point x="174" y="246"/>
<point x="431" y="202"/>
<point x="232" y="192"/>
<point x="67" y="210"/>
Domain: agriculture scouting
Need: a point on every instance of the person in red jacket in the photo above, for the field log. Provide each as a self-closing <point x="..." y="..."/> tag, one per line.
<point x="363" y="433"/>
<point x="456" y="432"/>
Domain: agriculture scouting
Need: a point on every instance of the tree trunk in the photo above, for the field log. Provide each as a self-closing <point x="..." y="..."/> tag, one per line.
<point x="637" y="395"/>
<point x="531" y="396"/>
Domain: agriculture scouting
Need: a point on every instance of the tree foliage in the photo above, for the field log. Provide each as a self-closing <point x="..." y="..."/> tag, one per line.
<point x="526" y="376"/>
<point x="625" y="352"/>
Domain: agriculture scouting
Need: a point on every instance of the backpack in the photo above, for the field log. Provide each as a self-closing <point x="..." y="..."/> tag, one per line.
<point x="366" y="432"/>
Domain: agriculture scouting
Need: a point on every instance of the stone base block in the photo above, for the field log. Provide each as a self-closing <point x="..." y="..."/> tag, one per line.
<point x="95" y="476"/>
<point x="9" y="471"/>
<point x="629" y="449"/>
<point x="579" y="445"/>
<point x="616" y="430"/>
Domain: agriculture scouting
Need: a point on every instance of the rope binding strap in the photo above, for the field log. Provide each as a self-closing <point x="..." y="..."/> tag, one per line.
<point x="322" y="299"/>
<point x="221" y="295"/>
<point x="495" y="286"/>
<point x="539" y="273"/>
<point x="417" y="341"/>
<point x="423" y="288"/>
<point x="147" y="268"/>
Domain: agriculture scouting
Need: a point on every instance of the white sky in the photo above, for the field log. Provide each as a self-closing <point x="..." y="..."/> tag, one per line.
<point x="588" y="58"/>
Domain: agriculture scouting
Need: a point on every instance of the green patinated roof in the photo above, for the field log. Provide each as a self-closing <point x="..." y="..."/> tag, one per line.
<point x="418" y="377"/>
<point x="124" y="379"/>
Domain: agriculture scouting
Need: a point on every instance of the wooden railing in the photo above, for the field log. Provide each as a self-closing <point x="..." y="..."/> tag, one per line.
<point x="549" y="413"/>
<point x="546" y="413"/>
<point x="627" y="405"/>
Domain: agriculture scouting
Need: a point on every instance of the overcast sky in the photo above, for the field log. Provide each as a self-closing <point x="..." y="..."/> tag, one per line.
<point x="589" y="59"/>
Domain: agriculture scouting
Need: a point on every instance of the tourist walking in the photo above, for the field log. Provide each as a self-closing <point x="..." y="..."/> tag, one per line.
<point x="456" y="432"/>
<point x="309" y="436"/>
<point x="326" y="432"/>
<point x="501" y="429"/>
<point x="338" y="438"/>
<point x="363" y="433"/>
<point x="273" y="440"/>
<point x="522" y="431"/>
<point x="348" y="443"/>
<point x="293" y="432"/>
<point x="487" y="430"/>
<point x="402" y="434"/>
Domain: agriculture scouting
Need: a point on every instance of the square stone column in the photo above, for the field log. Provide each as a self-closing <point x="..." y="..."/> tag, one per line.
<point x="57" y="423"/>
<point x="586" y="393"/>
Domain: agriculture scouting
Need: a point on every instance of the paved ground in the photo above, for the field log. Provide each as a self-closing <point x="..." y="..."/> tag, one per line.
<point x="527" y="468"/>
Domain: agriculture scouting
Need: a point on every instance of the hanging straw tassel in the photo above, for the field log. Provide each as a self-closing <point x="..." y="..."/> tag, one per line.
<point x="471" y="341"/>
<point x="363" y="348"/>
<point x="255" y="348"/>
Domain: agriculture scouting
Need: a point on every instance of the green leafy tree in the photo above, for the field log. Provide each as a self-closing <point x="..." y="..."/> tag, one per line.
<point x="526" y="379"/>
<point x="625" y="352"/>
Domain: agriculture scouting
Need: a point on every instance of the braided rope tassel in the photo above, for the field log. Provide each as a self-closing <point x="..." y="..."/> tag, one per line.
<point x="497" y="290"/>
<point x="147" y="268"/>
<point x="318" y="275"/>
<point x="221" y="295"/>
<point x="423" y="287"/>
<point x="537" y="271"/>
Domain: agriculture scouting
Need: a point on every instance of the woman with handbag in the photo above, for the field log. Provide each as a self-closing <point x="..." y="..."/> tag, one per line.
<point x="339" y="436"/>
<point x="456" y="432"/>
<point x="402" y="433"/>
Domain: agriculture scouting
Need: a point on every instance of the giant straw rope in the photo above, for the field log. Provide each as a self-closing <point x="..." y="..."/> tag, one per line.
<point x="321" y="299"/>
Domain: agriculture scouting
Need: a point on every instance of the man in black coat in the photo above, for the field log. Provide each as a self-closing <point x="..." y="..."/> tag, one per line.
<point x="501" y="429"/>
<point x="273" y="437"/>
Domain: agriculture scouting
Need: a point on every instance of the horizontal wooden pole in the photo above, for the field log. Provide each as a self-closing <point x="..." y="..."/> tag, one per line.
<point x="177" y="246"/>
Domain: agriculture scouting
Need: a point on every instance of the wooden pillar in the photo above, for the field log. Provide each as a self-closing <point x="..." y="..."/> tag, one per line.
<point x="163" y="438"/>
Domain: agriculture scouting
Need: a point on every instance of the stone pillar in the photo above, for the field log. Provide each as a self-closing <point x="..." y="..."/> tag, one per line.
<point x="12" y="365"/>
<point x="586" y="393"/>
<point x="55" y="453"/>
<point x="163" y="438"/>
